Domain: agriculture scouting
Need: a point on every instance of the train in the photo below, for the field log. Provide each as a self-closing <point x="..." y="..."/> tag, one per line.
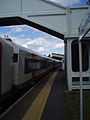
<point x="19" y="65"/>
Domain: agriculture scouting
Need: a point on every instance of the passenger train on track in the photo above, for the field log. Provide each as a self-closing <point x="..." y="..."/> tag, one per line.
<point x="18" y="65"/>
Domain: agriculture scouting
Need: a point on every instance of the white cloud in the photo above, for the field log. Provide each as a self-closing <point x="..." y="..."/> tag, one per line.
<point x="20" y="28"/>
<point x="20" y="41"/>
<point x="38" y="42"/>
<point x="41" y="49"/>
<point x="17" y="28"/>
<point x="60" y="45"/>
<point x="44" y="45"/>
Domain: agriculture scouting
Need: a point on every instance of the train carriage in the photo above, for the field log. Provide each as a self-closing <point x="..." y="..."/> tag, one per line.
<point x="20" y="66"/>
<point x="6" y="65"/>
<point x="22" y="73"/>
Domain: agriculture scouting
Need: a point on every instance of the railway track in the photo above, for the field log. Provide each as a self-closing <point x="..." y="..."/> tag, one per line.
<point x="19" y="101"/>
<point x="14" y="98"/>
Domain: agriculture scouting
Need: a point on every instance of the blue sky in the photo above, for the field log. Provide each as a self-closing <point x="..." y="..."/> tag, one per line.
<point x="70" y="3"/>
<point x="83" y="1"/>
<point x="33" y="39"/>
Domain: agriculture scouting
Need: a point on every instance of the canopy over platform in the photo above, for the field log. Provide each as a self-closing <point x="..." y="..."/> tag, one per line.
<point x="84" y="27"/>
<point x="21" y="21"/>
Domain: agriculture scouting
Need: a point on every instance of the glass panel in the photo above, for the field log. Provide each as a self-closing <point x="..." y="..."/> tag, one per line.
<point x="15" y="57"/>
<point x="75" y="56"/>
<point x="86" y="80"/>
<point x="85" y="56"/>
<point x="75" y="80"/>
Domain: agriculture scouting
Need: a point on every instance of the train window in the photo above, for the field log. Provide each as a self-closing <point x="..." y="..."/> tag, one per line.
<point x="85" y="55"/>
<point x="35" y="65"/>
<point x="75" y="56"/>
<point x="86" y="80"/>
<point x="15" y="57"/>
<point x="31" y="65"/>
<point x="44" y="64"/>
<point x="27" y="66"/>
<point x="75" y="80"/>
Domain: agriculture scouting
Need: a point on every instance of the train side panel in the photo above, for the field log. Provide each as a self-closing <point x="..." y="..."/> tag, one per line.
<point x="0" y="65"/>
<point x="24" y="74"/>
<point x="21" y="68"/>
<point x="6" y="67"/>
<point x="15" y="64"/>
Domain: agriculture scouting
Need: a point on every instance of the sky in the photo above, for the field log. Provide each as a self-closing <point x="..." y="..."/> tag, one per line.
<point x="33" y="39"/>
<point x="70" y="3"/>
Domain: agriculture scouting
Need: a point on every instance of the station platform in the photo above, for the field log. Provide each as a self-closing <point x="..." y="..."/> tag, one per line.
<point x="49" y="103"/>
<point x="45" y="101"/>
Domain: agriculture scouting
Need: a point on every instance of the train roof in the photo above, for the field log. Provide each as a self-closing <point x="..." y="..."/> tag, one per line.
<point x="6" y="40"/>
<point x="51" y="59"/>
<point x="17" y="46"/>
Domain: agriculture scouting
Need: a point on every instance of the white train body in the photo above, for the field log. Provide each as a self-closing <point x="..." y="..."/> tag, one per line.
<point x="6" y="66"/>
<point x="19" y="65"/>
<point x="19" y="57"/>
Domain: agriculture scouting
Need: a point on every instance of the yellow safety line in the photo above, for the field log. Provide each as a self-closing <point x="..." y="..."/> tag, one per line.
<point x="36" y="110"/>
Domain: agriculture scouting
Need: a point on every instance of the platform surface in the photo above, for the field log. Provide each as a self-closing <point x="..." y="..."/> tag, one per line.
<point x="54" y="109"/>
<point x="43" y="102"/>
<point x="49" y="104"/>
